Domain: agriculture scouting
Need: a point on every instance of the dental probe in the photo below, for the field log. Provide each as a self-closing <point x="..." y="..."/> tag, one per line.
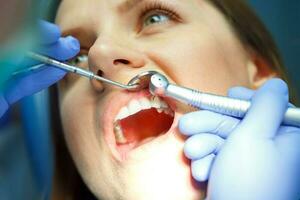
<point x="77" y="70"/>
<point x="159" y="85"/>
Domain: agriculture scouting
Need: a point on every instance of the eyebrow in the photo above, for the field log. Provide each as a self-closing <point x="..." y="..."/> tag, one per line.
<point x="129" y="4"/>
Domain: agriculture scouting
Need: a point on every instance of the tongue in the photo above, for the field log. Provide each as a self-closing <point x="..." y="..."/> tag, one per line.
<point x="145" y="124"/>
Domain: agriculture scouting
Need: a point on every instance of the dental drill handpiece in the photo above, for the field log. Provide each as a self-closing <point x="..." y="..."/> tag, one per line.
<point x="159" y="85"/>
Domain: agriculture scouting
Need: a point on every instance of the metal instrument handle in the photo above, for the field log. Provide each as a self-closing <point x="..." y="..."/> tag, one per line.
<point x="221" y="104"/>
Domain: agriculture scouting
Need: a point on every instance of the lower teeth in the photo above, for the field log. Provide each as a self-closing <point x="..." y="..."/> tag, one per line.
<point x="119" y="136"/>
<point x="159" y="110"/>
<point x="120" y="139"/>
<point x="169" y="112"/>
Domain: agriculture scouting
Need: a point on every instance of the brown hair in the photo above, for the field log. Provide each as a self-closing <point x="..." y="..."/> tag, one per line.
<point x="252" y="34"/>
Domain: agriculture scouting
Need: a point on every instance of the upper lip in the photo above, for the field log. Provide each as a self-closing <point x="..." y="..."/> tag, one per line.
<point x="114" y="104"/>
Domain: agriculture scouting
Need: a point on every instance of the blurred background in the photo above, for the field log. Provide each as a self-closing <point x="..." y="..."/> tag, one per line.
<point x="283" y="20"/>
<point x="26" y="154"/>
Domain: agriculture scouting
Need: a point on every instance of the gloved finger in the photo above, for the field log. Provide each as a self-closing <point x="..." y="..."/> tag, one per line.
<point x="48" y="33"/>
<point x="201" y="145"/>
<point x="32" y="83"/>
<point x="64" y="49"/>
<point x="283" y="130"/>
<point x="245" y="94"/>
<point x="207" y="122"/>
<point x="3" y="105"/>
<point x="267" y="109"/>
<point x="240" y="93"/>
<point x="201" y="168"/>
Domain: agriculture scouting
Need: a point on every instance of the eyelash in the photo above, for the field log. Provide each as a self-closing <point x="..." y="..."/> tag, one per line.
<point x="158" y="6"/>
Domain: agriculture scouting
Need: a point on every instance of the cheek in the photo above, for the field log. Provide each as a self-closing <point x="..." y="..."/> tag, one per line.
<point x="202" y="62"/>
<point x="77" y="108"/>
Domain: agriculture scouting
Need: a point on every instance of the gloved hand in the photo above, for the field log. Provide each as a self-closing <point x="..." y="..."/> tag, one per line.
<point x="52" y="45"/>
<point x="255" y="158"/>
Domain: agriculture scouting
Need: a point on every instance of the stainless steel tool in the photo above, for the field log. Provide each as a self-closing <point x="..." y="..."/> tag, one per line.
<point x="160" y="86"/>
<point x="137" y="83"/>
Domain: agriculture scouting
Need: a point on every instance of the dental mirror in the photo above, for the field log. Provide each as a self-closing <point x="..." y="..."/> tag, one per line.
<point x="141" y="81"/>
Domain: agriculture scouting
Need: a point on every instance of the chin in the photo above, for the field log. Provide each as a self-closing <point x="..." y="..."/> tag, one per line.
<point x="163" y="173"/>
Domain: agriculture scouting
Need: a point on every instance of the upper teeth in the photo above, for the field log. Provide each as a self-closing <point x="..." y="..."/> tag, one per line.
<point x="136" y="105"/>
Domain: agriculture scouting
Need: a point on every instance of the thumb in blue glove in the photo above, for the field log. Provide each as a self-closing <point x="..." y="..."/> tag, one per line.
<point x="253" y="158"/>
<point x="52" y="45"/>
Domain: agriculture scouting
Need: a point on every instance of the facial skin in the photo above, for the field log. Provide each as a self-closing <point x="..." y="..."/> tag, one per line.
<point x="195" y="48"/>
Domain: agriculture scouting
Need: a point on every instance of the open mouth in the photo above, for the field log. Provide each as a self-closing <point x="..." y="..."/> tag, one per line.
<point x="141" y="121"/>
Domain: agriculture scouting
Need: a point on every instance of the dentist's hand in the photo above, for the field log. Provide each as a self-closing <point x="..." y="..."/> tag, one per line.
<point x="52" y="45"/>
<point x="255" y="158"/>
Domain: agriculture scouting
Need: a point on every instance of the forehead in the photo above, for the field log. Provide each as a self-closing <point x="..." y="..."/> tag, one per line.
<point x="96" y="4"/>
<point x="89" y="7"/>
<point x="73" y="12"/>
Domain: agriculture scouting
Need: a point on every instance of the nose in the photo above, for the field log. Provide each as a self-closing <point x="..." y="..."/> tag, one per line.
<point x="115" y="58"/>
<point x="109" y="56"/>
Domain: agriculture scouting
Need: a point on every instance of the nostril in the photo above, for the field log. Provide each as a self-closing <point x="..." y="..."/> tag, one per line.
<point x="121" y="61"/>
<point x="97" y="85"/>
<point x="100" y="72"/>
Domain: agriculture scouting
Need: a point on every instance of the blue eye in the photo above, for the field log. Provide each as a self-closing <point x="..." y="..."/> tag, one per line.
<point x="156" y="19"/>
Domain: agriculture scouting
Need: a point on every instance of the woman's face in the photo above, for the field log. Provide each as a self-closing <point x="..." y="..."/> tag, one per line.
<point x="122" y="154"/>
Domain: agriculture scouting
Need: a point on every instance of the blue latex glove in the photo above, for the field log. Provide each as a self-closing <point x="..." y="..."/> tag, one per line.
<point x="51" y="44"/>
<point x="255" y="158"/>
